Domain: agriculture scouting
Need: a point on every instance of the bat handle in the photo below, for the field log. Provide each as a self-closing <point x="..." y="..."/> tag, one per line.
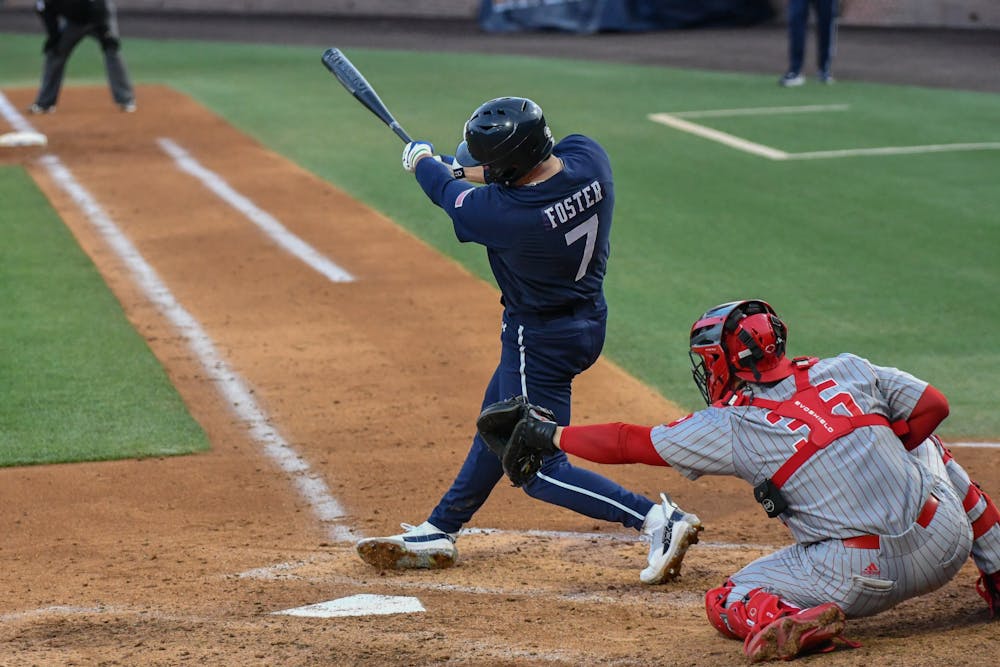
<point x="400" y="132"/>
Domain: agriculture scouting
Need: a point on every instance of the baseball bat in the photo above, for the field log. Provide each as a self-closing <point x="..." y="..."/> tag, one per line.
<point x="358" y="86"/>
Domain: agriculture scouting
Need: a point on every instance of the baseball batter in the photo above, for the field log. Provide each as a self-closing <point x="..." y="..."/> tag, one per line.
<point x="544" y="217"/>
<point x="841" y="451"/>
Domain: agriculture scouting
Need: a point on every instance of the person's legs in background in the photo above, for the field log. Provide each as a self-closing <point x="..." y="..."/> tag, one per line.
<point x="798" y="24"/>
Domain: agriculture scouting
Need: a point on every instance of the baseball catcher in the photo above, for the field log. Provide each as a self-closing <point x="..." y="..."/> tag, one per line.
<point x="840" y="450"/>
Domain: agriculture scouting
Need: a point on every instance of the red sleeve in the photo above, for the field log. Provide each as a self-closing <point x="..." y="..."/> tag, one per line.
<point x="611" y="443"/>
<point x="929" y="411"/>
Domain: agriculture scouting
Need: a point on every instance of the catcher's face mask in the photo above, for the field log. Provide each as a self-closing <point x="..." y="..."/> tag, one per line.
<point x="708" y="358"/>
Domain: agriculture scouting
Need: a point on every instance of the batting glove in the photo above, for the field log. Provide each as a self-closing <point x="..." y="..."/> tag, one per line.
<point x="415" y="151"/>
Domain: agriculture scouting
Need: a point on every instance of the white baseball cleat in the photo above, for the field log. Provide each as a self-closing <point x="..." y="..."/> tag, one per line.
<point x="671" y="531"/>
<point x="424" y="546"/>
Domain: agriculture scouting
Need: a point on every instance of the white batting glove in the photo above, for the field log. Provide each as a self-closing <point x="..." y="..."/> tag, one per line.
<point x="415" y="151"/>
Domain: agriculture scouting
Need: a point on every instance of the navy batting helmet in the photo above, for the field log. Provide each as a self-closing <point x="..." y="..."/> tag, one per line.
<point x="508" y="137"/>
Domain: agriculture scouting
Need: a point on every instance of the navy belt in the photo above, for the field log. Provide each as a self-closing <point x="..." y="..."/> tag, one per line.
<point x="574" y="309"/>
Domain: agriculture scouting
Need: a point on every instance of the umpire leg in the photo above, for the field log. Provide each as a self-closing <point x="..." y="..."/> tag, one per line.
<point x="118" y="80"/>
<point x="55" y="64"/>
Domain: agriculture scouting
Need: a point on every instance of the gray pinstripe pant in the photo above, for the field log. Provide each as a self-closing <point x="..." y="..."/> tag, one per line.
<point x="915" y="562"/>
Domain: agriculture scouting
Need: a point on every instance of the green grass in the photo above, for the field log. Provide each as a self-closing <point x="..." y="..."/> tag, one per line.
<point x="78" y="382"/>
<point x="889" y="257"/>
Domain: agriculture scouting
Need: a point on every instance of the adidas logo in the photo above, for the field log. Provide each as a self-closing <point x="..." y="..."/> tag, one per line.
<point x="871" y="570"/>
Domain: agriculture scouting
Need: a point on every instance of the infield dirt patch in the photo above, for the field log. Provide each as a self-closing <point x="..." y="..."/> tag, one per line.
<point x="376" y="383"/>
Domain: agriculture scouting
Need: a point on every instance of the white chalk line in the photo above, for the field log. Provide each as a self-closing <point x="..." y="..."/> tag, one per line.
<point x="270" y="225"/>
<point x="12" y="116"/>
<point x="718" y="136"/>
<point x="895" y="150"/>
<point x="232" y="387"/>
<point x="676" y="121"/>
<point x="759" y="111"/>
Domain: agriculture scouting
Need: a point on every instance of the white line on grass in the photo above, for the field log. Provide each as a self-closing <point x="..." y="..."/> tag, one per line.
<point x="267" y="222"/>
<point x="675" y="121"/>
<point x="895" y="150"/>
<point x="759" y="111"/>
<point x="718" y="136"/>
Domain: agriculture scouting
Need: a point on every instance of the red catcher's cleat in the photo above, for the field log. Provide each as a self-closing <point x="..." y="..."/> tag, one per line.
<point x="988" y="586"/>
<point x="812" y="629"/>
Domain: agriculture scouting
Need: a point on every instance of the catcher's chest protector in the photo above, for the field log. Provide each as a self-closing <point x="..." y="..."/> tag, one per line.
<point x="806" y="408"/>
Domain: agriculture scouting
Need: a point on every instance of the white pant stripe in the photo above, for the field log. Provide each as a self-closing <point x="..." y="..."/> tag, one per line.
<point x="520" y="347"/>
<point x="570" y="487"/>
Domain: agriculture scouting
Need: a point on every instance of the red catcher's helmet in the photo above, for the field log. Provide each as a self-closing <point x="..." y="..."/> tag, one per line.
<point x="739" y="340"/>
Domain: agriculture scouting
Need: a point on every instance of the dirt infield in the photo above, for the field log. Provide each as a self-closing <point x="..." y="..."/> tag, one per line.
<point x="374" y="385"/>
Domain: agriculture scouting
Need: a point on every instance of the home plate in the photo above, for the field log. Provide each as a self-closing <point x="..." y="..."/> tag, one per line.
<point x="358" y="605"/>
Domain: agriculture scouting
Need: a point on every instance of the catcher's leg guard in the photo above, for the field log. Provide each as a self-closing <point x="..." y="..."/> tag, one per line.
<point x="743" y="618"/>
<point x="985" y="519"/>
<point x="988" y="586"/>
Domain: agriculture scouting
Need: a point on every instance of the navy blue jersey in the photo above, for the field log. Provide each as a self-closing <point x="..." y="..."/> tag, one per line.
<point x="547" y="243"/>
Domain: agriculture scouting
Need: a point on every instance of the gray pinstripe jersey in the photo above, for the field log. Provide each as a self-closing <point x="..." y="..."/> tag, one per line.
<point x="862" y="483"/>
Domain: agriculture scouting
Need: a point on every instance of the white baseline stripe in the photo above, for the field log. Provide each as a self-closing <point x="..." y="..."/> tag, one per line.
<point x="973" y="445"/>
<point x="673" y="120"/>
<point x="232" y="387"/>
<point x="759" y="111"/>
<point x="267" y="222"/>
<point x="895" y="150"/>
<point x="720" y="137"/>
<point x="16" y="120"/>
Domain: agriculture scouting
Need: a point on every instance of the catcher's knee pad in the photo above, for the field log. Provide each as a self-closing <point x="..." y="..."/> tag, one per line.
<point x="715" y="609"/>
<point x="742" y="618"/>
<point x="990" y="515"/>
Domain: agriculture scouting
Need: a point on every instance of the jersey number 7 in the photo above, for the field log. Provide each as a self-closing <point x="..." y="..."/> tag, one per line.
<point x="588" y="229"/>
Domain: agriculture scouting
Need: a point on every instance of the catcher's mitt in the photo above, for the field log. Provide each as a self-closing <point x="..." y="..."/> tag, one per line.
<point x="497" y="421"/>
<point x="529" y="444"/>
<point x="520" y="454"/>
